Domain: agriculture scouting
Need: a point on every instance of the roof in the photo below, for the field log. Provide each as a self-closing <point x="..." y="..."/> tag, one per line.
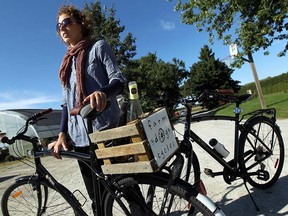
<point x="52" y="118"/>
<point x="48" y="127"/>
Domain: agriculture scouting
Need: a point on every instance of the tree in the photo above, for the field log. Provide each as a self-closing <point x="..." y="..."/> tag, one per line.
<point x="251" y="25"/>
<point x="154" y="76"/>
<point x="209" y="74"/>
<point x="105" y="26"/>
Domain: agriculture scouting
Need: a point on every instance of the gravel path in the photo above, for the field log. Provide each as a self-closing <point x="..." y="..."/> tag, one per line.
<point x="233" y="199"/>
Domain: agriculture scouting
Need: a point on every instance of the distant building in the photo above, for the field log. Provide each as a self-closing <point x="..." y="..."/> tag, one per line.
<point x="11" y="121"/>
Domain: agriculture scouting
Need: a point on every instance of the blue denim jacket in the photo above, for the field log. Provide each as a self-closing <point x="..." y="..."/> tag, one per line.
<point x="101" y="69"/>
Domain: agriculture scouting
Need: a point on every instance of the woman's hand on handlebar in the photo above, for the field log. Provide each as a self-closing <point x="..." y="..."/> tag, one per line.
<point x="56" y="146"/>
<point x="97" y="100"/>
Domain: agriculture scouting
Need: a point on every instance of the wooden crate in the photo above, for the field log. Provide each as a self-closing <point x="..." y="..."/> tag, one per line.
<point x="136" y="155"/>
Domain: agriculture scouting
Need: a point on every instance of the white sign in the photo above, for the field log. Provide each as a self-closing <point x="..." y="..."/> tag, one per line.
<point x="160" y="136"/>
<point x="233" y="50"/>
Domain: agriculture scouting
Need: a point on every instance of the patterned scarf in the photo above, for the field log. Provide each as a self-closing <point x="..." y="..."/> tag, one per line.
<point x="79" y="51"/>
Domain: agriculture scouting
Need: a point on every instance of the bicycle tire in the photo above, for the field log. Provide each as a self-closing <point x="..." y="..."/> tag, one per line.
<point x="183" y="198"/>
<point x="252" y="151"/>
<point x="22" y="198"/>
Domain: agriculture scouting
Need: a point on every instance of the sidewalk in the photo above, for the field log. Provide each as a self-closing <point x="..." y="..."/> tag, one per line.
<point x="234" y="199"/>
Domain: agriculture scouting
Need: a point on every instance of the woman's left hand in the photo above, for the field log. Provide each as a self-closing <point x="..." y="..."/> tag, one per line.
<point x="97" y="99"/>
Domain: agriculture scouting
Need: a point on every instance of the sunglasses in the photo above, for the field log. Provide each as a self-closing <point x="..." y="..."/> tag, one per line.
<point x="66" y="22"/>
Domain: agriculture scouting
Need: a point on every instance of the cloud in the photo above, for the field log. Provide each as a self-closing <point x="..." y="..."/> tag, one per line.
<point x="167" y="26"/>
<point x="25" y="100"/>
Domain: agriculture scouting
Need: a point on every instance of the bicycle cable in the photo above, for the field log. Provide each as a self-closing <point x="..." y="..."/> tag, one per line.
<point x="22" y="159"/>
<point x="176" y="131"/>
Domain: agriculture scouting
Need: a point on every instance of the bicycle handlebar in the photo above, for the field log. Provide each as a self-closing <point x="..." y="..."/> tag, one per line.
<point x="223" y="94"/>
<point x="68" y="154"/>
<point x="85" y="111"/>
<point x="32" y="120"/>
<point x="42" y="113"/>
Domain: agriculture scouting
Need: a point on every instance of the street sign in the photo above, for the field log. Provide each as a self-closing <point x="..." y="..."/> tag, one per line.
<point x="233" y="50"/>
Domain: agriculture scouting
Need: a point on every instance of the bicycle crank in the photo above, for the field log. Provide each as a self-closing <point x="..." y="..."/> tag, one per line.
<point x="229" y="176"/>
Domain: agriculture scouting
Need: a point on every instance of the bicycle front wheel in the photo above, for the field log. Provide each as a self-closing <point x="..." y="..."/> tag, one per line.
<point x="261" y="152"/>
<point x="30" y="198"/>
<point x="180" y="199"/>
<point x="191" y="171"/>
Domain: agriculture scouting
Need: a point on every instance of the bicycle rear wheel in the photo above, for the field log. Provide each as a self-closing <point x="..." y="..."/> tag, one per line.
<point x="29" y="197"/>
<point x="261" y="152"/>
<point x="181" y="199"/>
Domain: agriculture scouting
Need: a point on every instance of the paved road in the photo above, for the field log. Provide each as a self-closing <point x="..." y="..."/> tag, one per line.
<point x="233" y="199"/>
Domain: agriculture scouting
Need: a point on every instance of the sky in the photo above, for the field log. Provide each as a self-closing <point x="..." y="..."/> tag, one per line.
<point x="31" y="51"/>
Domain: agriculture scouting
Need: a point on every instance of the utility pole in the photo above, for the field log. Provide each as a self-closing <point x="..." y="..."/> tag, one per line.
<point x="233" y="52"/>
<point x="257" y="82"/>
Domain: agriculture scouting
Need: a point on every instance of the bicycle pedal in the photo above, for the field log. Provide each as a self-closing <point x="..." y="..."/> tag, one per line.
<point x="209" y="172"/>
<point x="263" y="175"/>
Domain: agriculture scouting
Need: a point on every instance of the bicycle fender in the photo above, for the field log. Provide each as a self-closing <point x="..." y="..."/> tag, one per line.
<point x="25" y="178"/>
<point x="259" y="118"/>
<point x="210" y="205"/>
<point x="31" y="178"/>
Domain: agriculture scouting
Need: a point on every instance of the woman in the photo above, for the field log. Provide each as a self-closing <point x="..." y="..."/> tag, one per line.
<point x="88" y="73"/>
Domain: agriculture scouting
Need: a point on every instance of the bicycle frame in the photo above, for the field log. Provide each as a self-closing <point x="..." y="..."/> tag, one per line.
<point x="42" y="172"/>
<point x="43" y="177"/>
<point x="189" y="134"/>
<point x="233" y="165"/>
<point x="207" y="147"/>
<point x="117" y="186"/>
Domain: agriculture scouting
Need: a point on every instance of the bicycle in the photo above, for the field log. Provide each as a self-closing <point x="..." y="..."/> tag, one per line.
<point x="258" y="145"/>
<point x="125" y="194"/>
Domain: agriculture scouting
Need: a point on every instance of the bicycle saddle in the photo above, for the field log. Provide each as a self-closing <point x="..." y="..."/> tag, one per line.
<point x="244" y="97"/>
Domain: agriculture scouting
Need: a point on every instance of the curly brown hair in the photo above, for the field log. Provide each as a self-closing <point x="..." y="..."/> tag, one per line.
<point x="78" y="16"/>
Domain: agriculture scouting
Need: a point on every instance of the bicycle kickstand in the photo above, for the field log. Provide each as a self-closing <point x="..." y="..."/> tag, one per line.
<point x="256" y="207"/>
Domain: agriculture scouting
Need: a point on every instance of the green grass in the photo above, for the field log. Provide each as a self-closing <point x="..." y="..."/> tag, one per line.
<point x="279" y="101"/>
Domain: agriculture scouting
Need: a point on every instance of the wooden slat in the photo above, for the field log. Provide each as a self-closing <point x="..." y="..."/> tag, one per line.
<point x="141" y="157"/>
<point x="115" y="133"/>
<point x="122" y="150"/>
<point x="138" y="149"/>
<point x="102" y="146"/>
<point x="125" y="168"/>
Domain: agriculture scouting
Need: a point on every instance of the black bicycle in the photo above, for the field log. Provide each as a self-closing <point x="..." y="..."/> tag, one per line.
<point x="258" y="145"/>
<point x="125" y="194"/>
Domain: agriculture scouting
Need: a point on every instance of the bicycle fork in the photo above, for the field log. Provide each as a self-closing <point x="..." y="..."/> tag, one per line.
<point x="66" y="194"/>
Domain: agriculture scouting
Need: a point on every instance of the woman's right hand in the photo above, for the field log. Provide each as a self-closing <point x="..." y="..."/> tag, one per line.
<point x="58" y="145"/>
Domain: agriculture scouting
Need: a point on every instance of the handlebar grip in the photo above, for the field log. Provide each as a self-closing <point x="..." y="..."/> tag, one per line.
<point x="86" y="111"/>
<point x="7" y="140"/>
<point x="42" y="113"/>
